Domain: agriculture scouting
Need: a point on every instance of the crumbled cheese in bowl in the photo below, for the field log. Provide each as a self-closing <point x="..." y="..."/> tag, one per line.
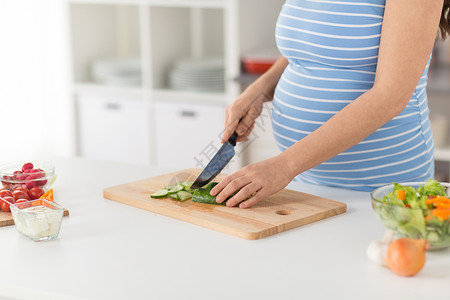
<point x="38" y="222"/>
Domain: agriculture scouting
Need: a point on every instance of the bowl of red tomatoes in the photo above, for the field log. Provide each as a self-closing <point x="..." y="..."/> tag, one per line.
<point x="22" y="182"/>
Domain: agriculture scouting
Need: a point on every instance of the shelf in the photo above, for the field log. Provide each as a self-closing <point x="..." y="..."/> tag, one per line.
<point x="94" y="88"/>
<point x="167" y="3"/>
<point x="174" y="96"/>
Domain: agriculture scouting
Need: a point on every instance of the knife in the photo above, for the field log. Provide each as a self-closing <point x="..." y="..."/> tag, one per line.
<point x="217" y="163"/>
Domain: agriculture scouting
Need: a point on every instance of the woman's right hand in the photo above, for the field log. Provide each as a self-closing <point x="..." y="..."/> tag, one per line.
<point x="240" y="116"/>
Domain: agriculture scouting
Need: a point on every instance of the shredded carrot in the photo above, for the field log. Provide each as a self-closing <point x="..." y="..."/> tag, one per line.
<point x="437" y="199"/>
<point x="442" y="205"/>
<point x="401" y="194"/>
<point x="441" y="213"/>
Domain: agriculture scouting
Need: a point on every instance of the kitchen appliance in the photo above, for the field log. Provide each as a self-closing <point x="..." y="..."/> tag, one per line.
<point x="282" y="211"/>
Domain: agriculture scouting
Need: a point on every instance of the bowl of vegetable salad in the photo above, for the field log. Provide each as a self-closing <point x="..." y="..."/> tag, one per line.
<point x="415" y="210"/>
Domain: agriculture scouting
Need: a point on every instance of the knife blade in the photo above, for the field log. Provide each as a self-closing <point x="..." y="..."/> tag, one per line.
<point x="217" y="163"/>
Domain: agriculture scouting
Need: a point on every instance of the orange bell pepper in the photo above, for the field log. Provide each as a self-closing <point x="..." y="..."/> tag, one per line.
<point x="48" y="195"/>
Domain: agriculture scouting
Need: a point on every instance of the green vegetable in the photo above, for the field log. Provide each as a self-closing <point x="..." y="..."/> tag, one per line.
<point x="179" y="191"/>
<point x="187" y="185"/>
<point x="183" y="195"/>
<point x="432" y="188"/>
<point x="202" y="195"/>
<point x="416" y="222"/>
<point x="160" y="193"/>
<point x="176" y="188"/>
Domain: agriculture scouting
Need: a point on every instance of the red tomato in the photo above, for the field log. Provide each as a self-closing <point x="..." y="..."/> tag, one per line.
<point x="5" y="193"/>
<point x="18" y="194"/>
<point x="36" y="192"/>
<point x="5" y="205"/>
<point x="27" y="166"/>
<point x="21" y="187"/>
<point x="21" y="177"/>
<point x="21" y="206"/>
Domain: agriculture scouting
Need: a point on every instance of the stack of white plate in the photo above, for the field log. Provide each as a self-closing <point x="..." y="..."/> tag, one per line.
<point x="200" y="75"/>
<point x="117" y="71"/>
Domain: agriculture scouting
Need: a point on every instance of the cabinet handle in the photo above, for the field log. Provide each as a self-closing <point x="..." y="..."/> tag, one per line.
<point x="188" y="113"/>
<point x="112" y="106"/>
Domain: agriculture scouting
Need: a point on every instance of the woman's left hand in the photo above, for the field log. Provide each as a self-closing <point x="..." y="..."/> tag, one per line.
<point x="253" y="183"/>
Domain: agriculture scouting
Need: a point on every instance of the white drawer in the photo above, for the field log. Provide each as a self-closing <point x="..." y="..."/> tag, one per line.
<point x="114" y="129"/>
<point x="187" y="135"/>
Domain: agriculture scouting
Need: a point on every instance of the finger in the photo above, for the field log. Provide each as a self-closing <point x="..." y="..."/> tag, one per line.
<point x="257" y="197"/>
<point x="230" y="126"/>
<point x="224" y="182"/>
<point x="231" y="188"/>
<point x="245" y="136"/>
<point x="245" y="193"/>
<point x="245" y="123"/>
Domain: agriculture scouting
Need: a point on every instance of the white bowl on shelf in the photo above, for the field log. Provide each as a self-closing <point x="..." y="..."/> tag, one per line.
<point x="117" y="71"/>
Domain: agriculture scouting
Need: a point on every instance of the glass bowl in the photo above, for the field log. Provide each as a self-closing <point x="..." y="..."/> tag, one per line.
<point x="38" y="219"/>
<point x="32" y="178"/>
<point x="413" y="222"/>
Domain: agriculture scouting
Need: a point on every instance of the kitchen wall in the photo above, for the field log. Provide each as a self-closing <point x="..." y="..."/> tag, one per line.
<point x="34" y="112"/>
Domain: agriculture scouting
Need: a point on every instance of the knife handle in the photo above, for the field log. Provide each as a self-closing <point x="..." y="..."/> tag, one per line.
<point x="232" y="139"/>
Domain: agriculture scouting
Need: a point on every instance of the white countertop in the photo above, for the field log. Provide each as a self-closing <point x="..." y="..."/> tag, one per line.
<point x="108" y="250"/>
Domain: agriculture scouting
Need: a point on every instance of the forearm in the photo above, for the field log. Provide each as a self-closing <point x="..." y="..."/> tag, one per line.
<point x="267" y="82"/>
<point x="348" y="127"/>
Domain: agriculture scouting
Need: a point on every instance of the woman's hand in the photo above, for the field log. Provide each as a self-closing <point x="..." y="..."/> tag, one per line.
<point x="240" y="116"/>
<point x="253" y="183"/>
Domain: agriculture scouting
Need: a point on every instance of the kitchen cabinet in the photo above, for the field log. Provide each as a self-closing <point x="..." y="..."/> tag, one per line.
<point x="158" y="35"/>
<point x="114" y="129"/>
<point x="186" y="135"/>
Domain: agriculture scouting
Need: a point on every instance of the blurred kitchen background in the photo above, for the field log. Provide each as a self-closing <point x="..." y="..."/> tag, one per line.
<point x="147" y="82"/>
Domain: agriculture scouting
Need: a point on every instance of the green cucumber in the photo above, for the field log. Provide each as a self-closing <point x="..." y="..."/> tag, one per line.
<point x="187" y="185"/>
<point x="202" y="195"/>
<point x="176" y="189"/>
<point x="432" y="237"/>
<point x="183" y="195"/>
<point x="173" y="196"/>
<point x="160" y="193"/>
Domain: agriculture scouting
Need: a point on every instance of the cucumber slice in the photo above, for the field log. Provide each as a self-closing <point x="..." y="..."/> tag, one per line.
<point x="183" y="195"/>
<point x="187" y="184"/>
<point x="160" y="193"/>
<point x="176" y="189"/>
<point x="173" y="196"/>
<point x="433" y="237"/>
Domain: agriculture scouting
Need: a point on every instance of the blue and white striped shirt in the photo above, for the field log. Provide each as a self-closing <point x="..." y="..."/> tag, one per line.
<point x="332" y="49"/>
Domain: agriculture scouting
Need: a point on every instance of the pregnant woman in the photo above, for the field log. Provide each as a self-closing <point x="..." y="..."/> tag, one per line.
<point x="349" y="97"/>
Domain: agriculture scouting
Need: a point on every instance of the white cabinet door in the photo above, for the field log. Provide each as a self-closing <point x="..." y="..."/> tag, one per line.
<point x="187" y="135"/>
<point x="114" y="129"/>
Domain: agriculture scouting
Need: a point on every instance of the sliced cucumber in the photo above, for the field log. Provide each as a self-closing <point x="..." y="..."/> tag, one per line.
<point x="176" y="189"/>
<point x="160" y="193"/>
<point x="187" y="184"/>
<point x="173" y="196"/>
<point x="183" y="195"/>
<point x="433" y="237"/>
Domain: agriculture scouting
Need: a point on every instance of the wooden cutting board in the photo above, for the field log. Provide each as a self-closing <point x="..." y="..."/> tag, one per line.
<point x="7" y="219"/>
<point x="282" y="211"/>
